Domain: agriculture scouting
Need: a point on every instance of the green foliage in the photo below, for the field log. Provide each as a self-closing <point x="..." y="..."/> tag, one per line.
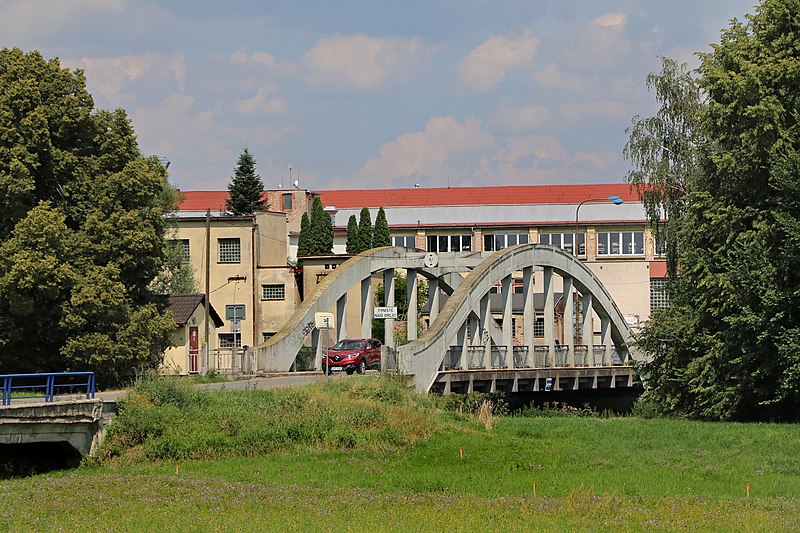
<point x="381" y="236"/>
<point x="728" y="346"/>
<point x="167" y="418"/>
<point x="364" y="230"/>
<point x="664" y="152"/>
<point x="303" y="238"/>
<point x="246" y="188"/>
<point x="352" y="236"/>
<point x="82" y="225"/>
<point x="401" y="295"/>
<point x="317" y="239"/>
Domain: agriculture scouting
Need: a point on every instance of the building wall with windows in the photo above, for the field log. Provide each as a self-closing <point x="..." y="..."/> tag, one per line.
<point x="249" y="278"/>
<point x="613" y="240"/>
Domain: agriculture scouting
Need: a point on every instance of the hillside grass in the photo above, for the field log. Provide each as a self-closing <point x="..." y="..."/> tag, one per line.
<point x="366" y="454"/>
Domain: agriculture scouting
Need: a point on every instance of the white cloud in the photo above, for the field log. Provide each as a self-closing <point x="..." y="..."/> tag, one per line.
<point x="363" y="63"/>
<point x="28" y="18"/>
<point x="262" y="103"/>
<point x="485" y="67"/>
<point x="574" y="112"/>
<point x="615" y="21"/>
<point x="524" y="118"/>
<point x="437" y="152"/>
<point x="240" y="56"/>
<point x="111" y="77"/>
<point x="552" y="77"/>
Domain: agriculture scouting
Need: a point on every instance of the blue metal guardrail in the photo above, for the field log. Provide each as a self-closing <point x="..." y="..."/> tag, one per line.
<point x="51" y="383"/>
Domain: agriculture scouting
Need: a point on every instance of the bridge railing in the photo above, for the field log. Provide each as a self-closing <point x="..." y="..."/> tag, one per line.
<point x="51" y="384"/>
<point x="581" y="355"/>
<point x="521" y="357"/>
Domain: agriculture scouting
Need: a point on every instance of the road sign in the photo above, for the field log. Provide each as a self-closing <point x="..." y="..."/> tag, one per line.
<point x="236" y="325"/>
<point x="323" y="320"/>
<point x="385" y="312"/>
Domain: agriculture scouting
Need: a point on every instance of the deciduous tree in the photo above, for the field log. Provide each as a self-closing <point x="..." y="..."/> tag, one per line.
<point x="82" y="222"/>
<point x="728" y="346"/>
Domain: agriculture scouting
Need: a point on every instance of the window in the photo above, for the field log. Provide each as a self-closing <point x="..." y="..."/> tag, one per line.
<point x="661" y="246"/>
<point x="267" y="335"/>
<point x="230" y="340"/>
<point x="538" y="328"/>
<point x="183" y="246"/>
<point x="449" y="243"/>
<point x="620" y="243"/>
<point x="404" y="241"/>
<point x="565" y="241"/>
<point x="659" y="299"/>
<point x="286" y="202"/>
<point x="498" y="241"/>
<point x="230" y="250"/>
<point x="273" y="292"/>
<point x="234" y="312"/>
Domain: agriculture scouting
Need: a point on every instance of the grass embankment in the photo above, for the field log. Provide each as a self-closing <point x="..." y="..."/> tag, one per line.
<point x="366" y="454"/>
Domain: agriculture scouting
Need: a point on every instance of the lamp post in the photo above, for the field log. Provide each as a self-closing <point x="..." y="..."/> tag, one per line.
<point x="616" y="200"/>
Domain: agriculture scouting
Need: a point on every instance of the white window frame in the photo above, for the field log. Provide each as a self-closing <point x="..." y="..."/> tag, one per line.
<point x="229" y="340"/>
<point x="560" y="240"/>
<point x="447" y="243"/>
<point x="622" y="243"/>
<point x="498" y="241"/>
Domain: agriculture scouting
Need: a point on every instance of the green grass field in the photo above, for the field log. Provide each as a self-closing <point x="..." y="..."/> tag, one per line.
<point x="364" y="454"/>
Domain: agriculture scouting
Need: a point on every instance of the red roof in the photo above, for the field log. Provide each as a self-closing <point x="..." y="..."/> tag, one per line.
<point x="498" y="195"/>
<point x="202" y="200"/>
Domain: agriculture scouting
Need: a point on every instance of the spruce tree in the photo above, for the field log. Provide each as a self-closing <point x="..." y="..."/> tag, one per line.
<point x="302" y="240"/>
<point x="364" y="230"/>
<point x="381" y="237"/>
<point x="246" y="188"/>
<point x="352" y="236"/>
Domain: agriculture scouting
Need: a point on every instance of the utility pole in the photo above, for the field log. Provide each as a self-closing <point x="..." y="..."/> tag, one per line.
<point x="208" y="286"/>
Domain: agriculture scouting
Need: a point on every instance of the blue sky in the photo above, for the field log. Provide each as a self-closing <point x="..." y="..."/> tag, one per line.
<point x="369" y="94"/>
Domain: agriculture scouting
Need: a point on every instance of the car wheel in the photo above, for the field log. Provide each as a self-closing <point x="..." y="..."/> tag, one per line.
<point x="350" y="371"/>
<point x="362" y="366"/>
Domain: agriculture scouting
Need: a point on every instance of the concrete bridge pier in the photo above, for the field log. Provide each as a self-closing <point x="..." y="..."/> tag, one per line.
<point x="80" y="423"/>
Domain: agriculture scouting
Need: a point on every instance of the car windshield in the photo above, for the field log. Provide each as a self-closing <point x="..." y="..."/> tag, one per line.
<point x="348" y="345"/>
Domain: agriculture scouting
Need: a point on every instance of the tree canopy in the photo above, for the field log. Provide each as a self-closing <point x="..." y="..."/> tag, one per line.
<point x="364" y="230"/>
<point x="246" y="188"/>
<point x="728" y="347"/>
<point x="381" y="235"/>
<point x="352" y="236"/>
<point x="82" y="222"/>
<point x="317" y="237"/>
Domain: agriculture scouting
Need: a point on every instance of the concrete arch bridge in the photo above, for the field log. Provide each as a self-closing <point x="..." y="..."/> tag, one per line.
<point x="526" y="318"/>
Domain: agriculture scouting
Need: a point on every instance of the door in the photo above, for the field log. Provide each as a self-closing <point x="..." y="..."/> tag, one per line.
<point x="194" y="350"/>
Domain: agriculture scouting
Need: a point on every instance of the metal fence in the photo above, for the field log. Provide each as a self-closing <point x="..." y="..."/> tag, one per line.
<point x="48" y="386"/>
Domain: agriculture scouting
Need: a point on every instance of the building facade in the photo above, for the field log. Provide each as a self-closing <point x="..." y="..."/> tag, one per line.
<point x="251" y="267"/>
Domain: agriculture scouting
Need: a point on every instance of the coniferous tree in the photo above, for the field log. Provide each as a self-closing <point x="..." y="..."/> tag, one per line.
<point x="381" y="236"/>
<point x="320" y="230"/>
<point x="246" y="188"/>
<point x="352" y="236"/>
<point x="364" y="230"/>
<point x="302" y="239"/>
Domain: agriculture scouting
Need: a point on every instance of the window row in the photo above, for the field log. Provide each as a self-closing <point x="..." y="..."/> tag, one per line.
<point x="498" y="241"/>
<point x="620" y="243"/>
<point x="565" y="241"/>
<point x="449" y="243"/>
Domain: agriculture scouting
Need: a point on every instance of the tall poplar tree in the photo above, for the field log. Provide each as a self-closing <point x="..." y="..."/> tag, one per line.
<point x="246" y="188"/>
<point x="303" y="246"/>
<point x="381" y="236"/>
<point x="364" y="230"/>
<point x="352" y="236"/>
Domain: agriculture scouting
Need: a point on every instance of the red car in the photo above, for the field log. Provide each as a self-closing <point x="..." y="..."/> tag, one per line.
<point x="352" y="355"/>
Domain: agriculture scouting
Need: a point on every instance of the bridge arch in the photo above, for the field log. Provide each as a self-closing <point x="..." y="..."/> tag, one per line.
<point x="424" y="358"/>
<point x="465" y="325"/>
<point x="279" y="352"/>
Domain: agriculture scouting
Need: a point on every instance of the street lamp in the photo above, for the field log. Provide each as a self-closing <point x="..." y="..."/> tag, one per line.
<point x="616" y="200"/>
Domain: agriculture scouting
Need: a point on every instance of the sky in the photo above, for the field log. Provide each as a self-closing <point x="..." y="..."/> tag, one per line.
<point x="369" y="94"/>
